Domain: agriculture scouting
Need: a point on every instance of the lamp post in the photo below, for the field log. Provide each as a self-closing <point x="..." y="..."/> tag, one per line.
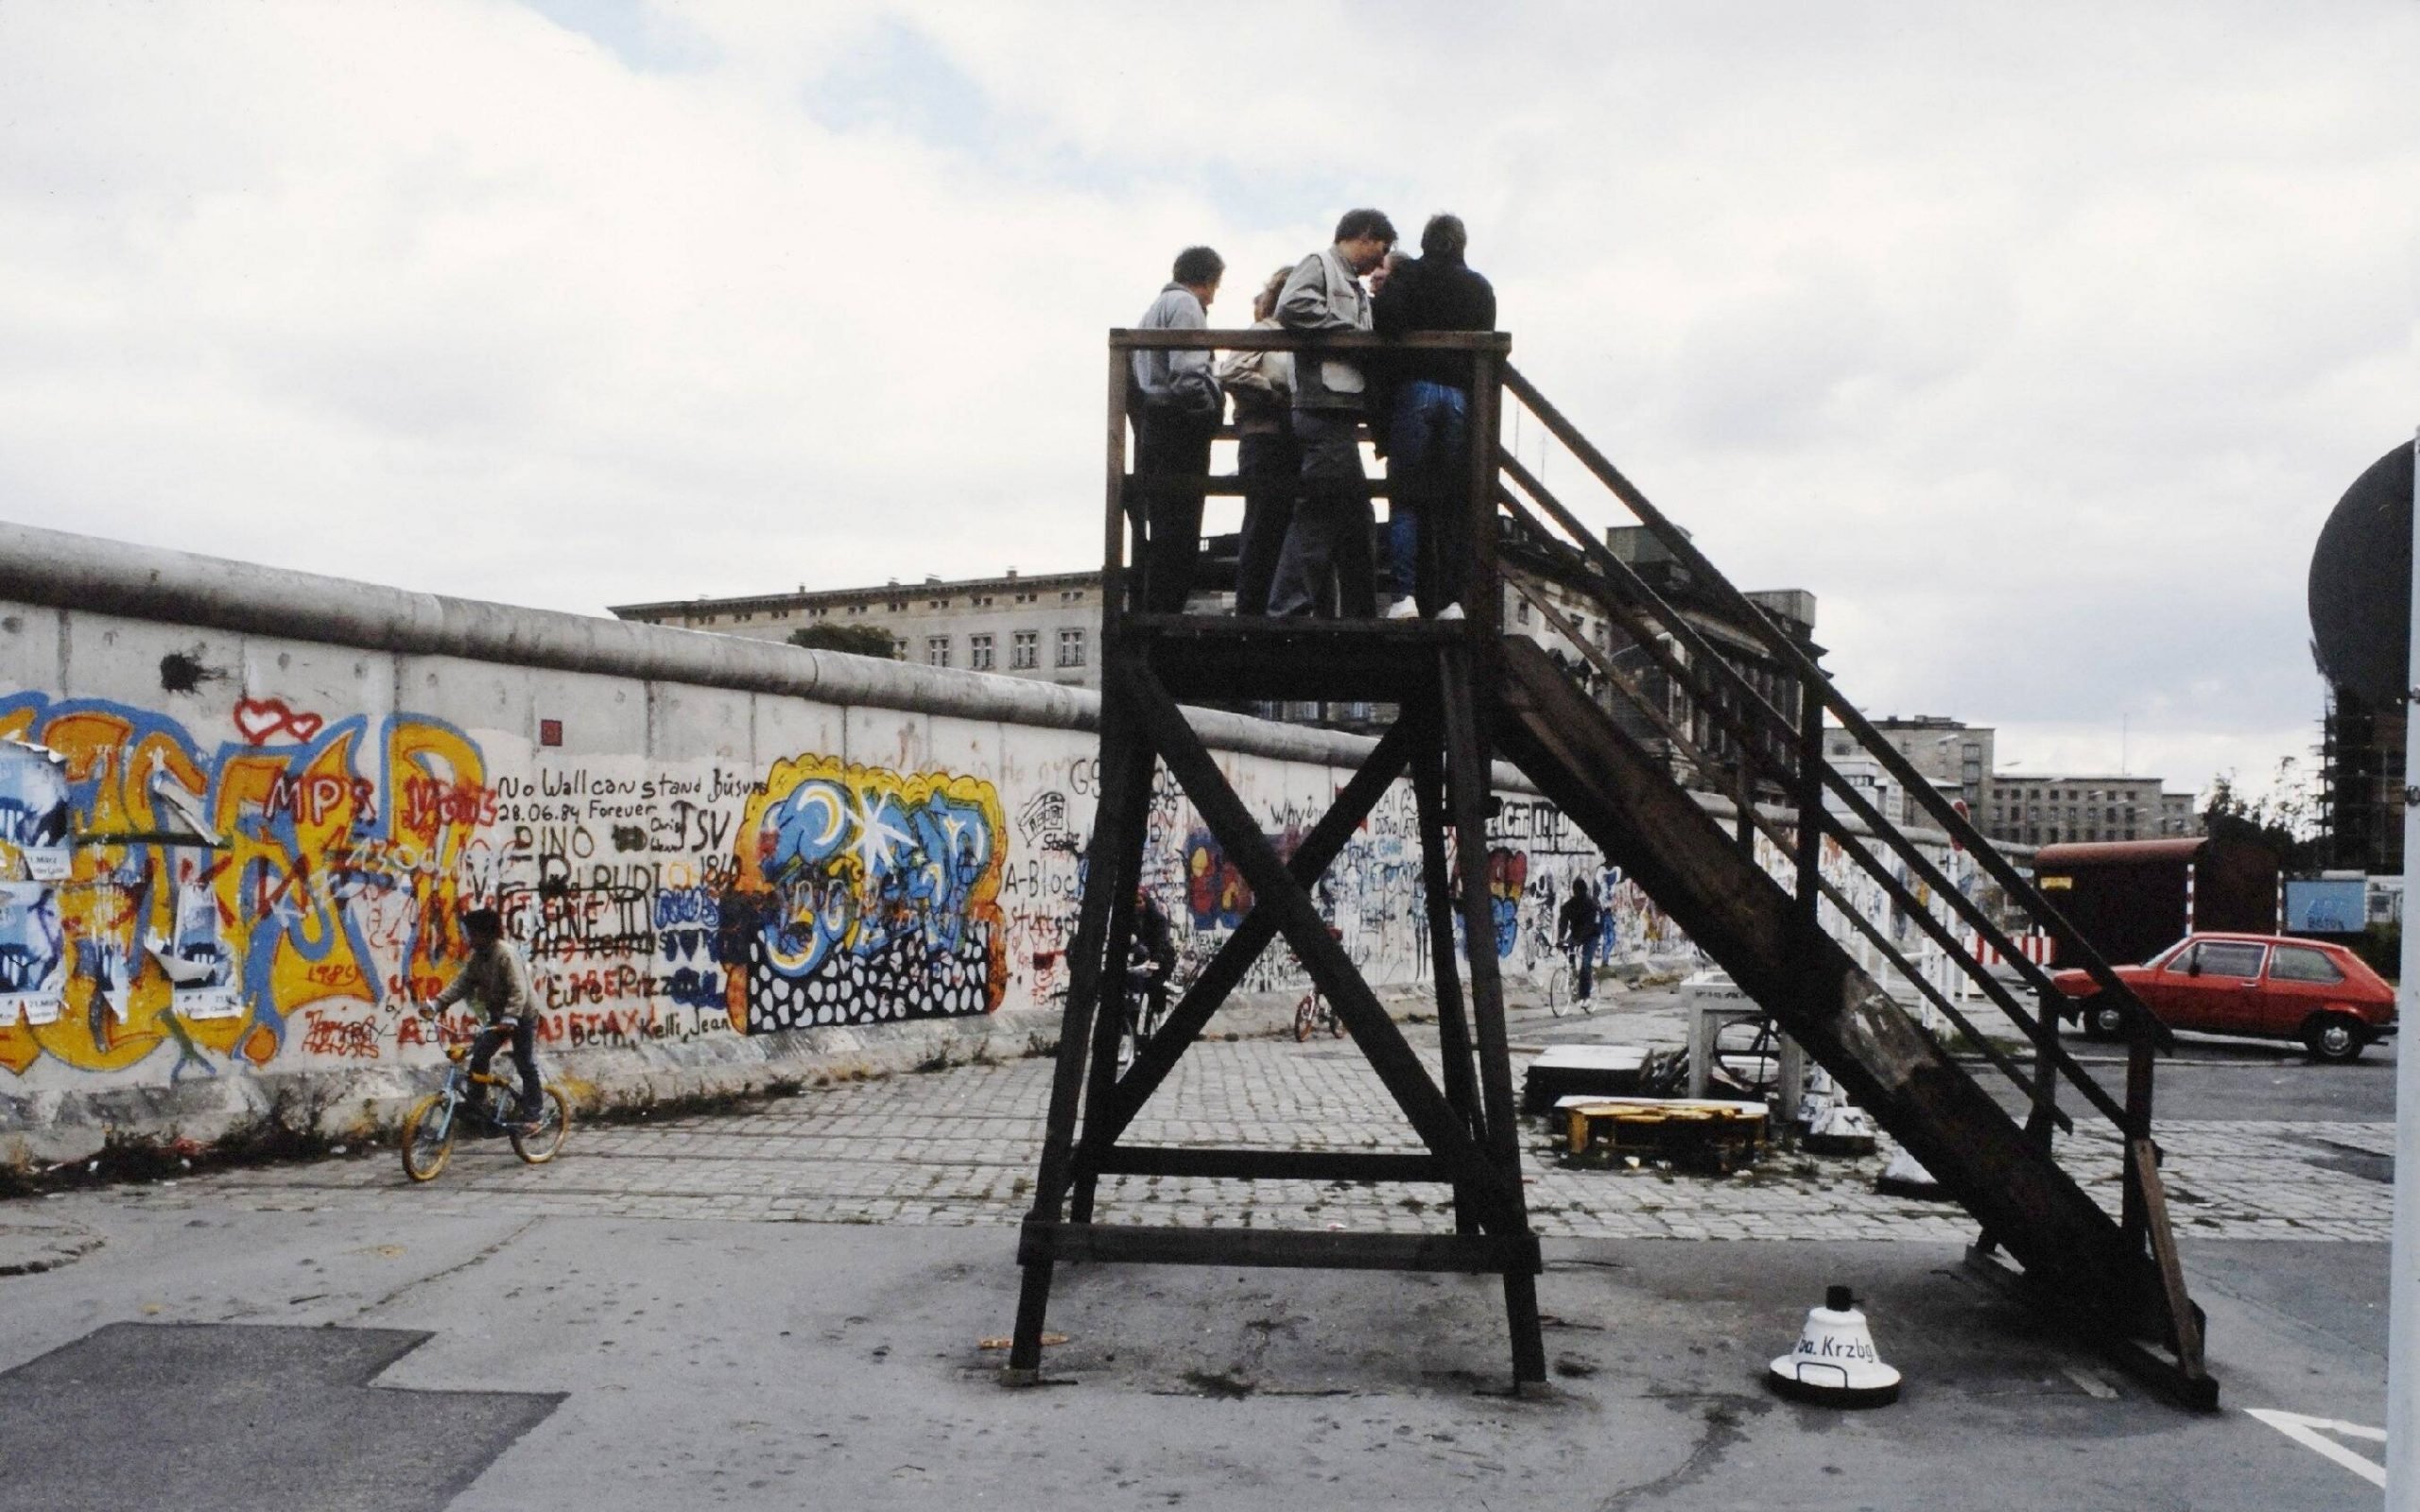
<point x="2403" y="1255"/>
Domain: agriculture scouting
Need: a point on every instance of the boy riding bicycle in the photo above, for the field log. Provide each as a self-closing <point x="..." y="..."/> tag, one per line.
<point x="496" y="980"/>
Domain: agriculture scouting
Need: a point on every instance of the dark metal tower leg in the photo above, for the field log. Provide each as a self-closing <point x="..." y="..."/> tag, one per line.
<point x="1453" y="1027"/>
<point x="1067" y="1086"/>
<point x="1468" y="775"/>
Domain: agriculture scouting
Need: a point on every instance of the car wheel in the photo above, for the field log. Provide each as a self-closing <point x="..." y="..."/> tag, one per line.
<point x="2335" y="1037"/>
<point x="2103" y="1020"/>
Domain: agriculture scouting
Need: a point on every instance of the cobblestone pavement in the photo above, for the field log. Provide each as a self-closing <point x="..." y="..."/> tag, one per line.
<point x="958" y="1147"/>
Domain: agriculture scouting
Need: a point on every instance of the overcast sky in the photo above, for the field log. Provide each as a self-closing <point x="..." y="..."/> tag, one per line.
<point x="2036" y="341"/>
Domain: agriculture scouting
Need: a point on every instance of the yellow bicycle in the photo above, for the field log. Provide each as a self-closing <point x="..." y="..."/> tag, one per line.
<point x="475" y="1097"/>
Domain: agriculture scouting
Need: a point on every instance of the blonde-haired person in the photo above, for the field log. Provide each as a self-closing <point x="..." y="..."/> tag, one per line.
<point x="1262" y="386"/>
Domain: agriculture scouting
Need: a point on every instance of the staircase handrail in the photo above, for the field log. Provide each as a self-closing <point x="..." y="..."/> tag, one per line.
<point x="1791" y="655"/>
<point x="1708" y="675"/>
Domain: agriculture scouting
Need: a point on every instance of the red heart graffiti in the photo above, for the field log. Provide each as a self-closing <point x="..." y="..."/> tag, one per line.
<point x="257" y="719"/>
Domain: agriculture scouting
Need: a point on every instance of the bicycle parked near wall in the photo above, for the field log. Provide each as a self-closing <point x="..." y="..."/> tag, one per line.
<point x="1313" y="1012"/>
<point x="482" y="1100"/>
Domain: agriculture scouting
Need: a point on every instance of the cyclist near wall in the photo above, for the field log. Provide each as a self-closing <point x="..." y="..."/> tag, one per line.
<point x="1154" y="955"/>
<point x="496" y="981"/>
<point x="1576" y="933"/>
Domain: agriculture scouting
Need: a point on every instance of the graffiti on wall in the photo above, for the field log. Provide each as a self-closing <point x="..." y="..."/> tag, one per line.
<point x="184" y="899"/>
<point x="870" y="896"/>
<point x="215" y="899"/>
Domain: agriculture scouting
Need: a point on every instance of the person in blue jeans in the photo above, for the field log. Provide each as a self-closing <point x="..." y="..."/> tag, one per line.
<point x="1429" y="419"/>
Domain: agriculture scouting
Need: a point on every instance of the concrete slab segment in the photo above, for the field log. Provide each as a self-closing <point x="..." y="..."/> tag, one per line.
<point x="205" y="1416"/>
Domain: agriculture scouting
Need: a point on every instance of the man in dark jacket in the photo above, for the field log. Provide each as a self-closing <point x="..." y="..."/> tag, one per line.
<point x="1428" y="422"/>
<point x="1576" y="934"/>
<point x="1175" y="402"/>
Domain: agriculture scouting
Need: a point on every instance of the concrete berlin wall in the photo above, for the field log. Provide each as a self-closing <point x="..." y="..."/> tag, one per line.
<point x="242" y="812"/>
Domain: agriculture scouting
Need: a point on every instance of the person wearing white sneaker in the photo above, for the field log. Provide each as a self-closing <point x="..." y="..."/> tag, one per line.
<point x="1428" y="428"/>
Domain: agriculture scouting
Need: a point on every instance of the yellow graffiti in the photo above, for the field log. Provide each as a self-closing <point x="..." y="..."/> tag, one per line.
<point x="313" y="883"/>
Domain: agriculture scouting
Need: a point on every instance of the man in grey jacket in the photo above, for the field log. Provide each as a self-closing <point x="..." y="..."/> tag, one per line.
<point x="1330" y="535"/>
<point x="1175" y="403"/>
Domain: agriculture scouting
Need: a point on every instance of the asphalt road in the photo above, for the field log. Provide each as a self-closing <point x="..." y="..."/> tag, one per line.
<point x="329" y="1338"/>
<point x="395" y="1360"/>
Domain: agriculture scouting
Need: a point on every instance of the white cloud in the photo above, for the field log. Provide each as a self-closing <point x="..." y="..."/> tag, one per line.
<point x="2036" y="341"/>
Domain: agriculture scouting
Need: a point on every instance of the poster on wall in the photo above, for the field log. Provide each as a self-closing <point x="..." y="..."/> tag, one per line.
<point x="33" y="808"/>
<point x="200" y="968"/>
<point x="33" y="953"/>
<point x="2327" y="905"/>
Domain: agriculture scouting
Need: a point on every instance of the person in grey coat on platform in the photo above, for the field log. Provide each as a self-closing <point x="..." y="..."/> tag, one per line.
<point x="1330" y="538"/>
<point x="1174" y="399"/>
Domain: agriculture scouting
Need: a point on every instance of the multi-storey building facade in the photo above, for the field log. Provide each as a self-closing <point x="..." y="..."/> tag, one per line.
<point x="2059" y="810"/>
<point x="1043" y="627"/>
<point x="1047" y="627"/>
<point x="2047" y="809"/>
<point x="1955" y="756"/>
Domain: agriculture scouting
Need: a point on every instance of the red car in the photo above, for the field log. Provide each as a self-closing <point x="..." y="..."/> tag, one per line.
<point x="2263" y="985"/>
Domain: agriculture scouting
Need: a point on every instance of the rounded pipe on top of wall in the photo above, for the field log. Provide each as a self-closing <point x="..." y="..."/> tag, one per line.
<point x="88" y="574"/>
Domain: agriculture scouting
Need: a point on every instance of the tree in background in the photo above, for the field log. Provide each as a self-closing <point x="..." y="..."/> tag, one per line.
<point x="857" y="640"/>
<point x="2285" y="819"/>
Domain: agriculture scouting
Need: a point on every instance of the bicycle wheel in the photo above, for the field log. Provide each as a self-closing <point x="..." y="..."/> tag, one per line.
<point x="538" y="1143"/>
<point x="1335" y="1025"/>
<point x="1558" y="990"/>
<point x="1306" y="1017"/>
<point x="428" y="1138"/>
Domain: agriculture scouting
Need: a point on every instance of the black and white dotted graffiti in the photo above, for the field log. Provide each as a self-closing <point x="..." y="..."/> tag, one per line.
<point x="905" y="977"/>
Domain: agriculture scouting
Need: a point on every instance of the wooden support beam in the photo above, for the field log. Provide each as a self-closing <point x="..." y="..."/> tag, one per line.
<point x="1272" y="1165"/>
<point x="2188" y="1384"/>
<point x="1251" y="937"/>
<point x="1467" y="777"/>
<point x="1476" y="1254"/>
<point x="1390" y="1056"/>
<point x="1798" y="659"/>
<point x="1454" y="1044"/>
<point x="1075" y="1026"/>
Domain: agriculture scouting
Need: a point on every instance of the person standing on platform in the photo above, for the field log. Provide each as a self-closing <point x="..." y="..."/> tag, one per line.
<point x="1429" y="421"/>
<point x="1330" y="535"/>
<point x="1173" y="399"/>
<point x="1262" y="386"/>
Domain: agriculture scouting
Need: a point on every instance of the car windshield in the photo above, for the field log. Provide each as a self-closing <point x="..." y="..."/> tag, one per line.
<point x="2165" y="957"/>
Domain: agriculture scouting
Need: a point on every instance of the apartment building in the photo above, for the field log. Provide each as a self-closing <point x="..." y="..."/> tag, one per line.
<point x="1044" y="627"/>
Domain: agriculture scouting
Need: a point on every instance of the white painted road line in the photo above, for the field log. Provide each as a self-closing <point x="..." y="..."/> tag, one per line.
<point x="2311" y="1434"/>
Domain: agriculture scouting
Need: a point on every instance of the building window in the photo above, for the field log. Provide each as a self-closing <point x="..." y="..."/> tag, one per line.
<point x="1521" y="611"/>
<point x="935" y="650"/>
<point x="978" y="652"/>
<point x="1071" y="647"/>
<point x="1025" y="650"/>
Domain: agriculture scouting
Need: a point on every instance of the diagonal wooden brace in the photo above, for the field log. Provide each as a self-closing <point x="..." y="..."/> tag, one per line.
<point x="1252" y="936"/>
<point x="1494" y="1188"/>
